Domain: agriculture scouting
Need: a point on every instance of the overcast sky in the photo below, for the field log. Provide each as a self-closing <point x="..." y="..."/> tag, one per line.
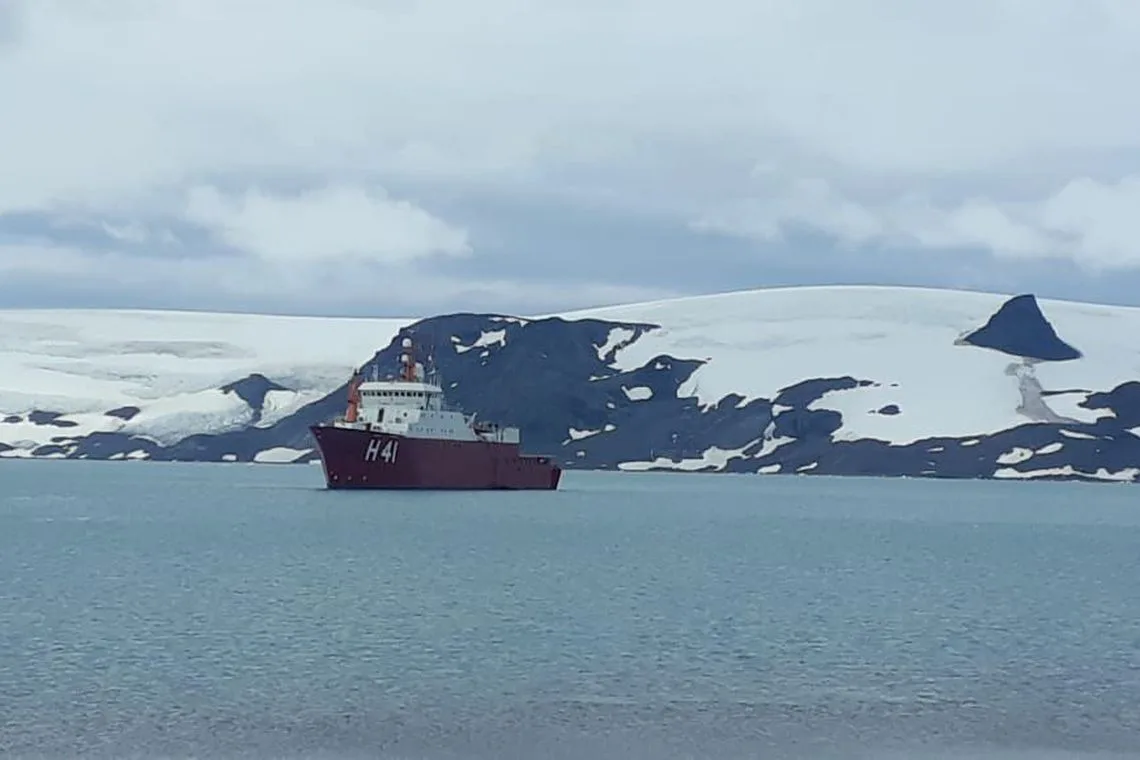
<point x="404" y="157"/>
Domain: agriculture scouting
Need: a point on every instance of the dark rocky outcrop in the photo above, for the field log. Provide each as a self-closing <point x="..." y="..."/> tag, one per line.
<point x="125" y="413"/>
<point x="253" y="390"/>
<point x="1019" y="328"/>
<point x="39" y="417"/>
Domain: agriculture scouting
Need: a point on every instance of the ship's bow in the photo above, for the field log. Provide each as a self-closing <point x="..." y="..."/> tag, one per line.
<point x="318" y="433"/>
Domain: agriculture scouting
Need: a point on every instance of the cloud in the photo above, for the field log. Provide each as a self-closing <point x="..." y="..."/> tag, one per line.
<point x="231" y="284"/>
<point x="338" y="224"/>
<point x="1089" y="222"/>
<point x="263" y="132"/>
<point x="11" y="24"/>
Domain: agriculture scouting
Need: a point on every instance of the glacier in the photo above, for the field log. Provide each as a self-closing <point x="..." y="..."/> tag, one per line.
<point x="834" y="380"/>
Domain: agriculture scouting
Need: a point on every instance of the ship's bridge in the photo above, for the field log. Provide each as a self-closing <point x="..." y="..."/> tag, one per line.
<point x="418" y="395"/>
<point x="413" y="405"/>
<point x="413" y="408"/>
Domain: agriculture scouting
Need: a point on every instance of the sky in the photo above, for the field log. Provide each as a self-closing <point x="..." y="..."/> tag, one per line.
<point x="411" y="157"/>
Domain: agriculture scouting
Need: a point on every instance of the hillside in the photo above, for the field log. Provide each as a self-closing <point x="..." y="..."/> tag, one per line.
<point x="836" y="380"/>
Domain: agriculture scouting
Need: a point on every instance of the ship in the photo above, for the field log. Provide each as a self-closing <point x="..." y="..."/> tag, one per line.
<point x="400" y="432"/>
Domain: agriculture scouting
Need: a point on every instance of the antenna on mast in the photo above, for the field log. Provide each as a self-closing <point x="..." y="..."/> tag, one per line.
<point x="407" y="361"/>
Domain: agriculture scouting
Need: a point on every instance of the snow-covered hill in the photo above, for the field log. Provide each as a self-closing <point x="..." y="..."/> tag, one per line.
<point x="848" y="380"/>
<point x="905" y="340"/>
<point x="165" y="375"/>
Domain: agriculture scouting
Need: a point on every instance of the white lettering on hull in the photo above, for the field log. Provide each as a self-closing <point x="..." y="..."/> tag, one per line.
<point x="383" y="450"/>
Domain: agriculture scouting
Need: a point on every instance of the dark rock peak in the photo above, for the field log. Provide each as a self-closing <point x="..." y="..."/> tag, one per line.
<point x="253" y="389"/>
<point x="12" y="419"/>
<point x="125" y="413"/>
<point x="889" y="409"/>
<point x="1020" y="329"/>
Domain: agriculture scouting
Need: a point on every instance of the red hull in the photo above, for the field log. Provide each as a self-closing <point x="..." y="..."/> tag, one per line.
<point x="365" y="459"/>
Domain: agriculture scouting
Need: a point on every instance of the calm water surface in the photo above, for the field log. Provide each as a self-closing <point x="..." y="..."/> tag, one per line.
<point x="151" y="610"/>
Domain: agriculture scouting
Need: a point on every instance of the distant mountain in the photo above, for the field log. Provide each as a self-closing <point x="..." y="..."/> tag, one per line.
<point x="822" y="380"/>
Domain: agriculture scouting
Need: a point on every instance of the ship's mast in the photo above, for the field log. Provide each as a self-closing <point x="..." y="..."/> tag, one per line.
<point x="353" y="409"/>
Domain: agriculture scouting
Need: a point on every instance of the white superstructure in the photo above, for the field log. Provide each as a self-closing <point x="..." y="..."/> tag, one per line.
<point x="414" y="406"/>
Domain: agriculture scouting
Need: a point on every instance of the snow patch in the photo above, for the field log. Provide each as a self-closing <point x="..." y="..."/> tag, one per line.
<point x="1015" y="456"/>
<point x="167" y="421"/>
<point x="771" y="444"/>
<point x="1126" y="475"/>
<point x="1050" y="448"/>
<point x="280" y="404"/>
<point x="713" y="457"/>
<point x="577" y="435"/>
<point x="1068" y="405"/>
<point x="486" y="339"/>
<point x="638" y="393"/>
<point x="617" y="337"/>
<point x="280" y="455"/>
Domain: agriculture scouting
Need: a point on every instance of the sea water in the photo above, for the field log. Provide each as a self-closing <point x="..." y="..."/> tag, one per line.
<point x="155" y="610"/>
